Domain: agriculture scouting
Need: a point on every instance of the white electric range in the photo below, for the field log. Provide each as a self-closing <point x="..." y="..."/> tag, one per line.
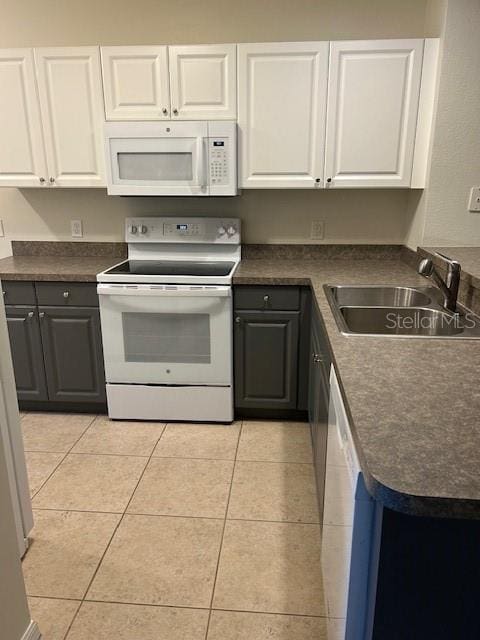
<point x="166" y="316"/>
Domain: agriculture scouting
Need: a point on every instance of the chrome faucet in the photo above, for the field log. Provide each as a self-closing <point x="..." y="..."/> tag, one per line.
<point x="449" y="286"/>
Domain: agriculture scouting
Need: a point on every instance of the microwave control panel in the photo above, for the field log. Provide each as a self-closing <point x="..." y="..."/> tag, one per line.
<point x="218" y="155"/>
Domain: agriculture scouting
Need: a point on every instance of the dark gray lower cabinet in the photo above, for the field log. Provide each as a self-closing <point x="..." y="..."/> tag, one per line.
<point x="266" y="358"/>
<point x="271" y="350"/>
<point x="72" y="345"/>
<point x="319" y="392"/>
<point x="27" y="352"/>
<point x="56" y="344"/>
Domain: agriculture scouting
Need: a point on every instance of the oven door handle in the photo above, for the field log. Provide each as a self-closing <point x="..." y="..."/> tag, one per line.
<point x="157" y="292"/>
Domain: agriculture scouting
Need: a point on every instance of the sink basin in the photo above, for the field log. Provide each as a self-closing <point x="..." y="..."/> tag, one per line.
<point x="401" y="321"/>
<point x="403" y="312"/>
<point x="372" y="296"/>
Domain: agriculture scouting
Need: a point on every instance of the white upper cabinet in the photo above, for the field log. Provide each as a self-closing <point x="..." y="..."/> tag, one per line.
<point x="135" y="81"/>
<point x="71" y="101"/>
<point x="281" y="114"/>
<point x="203" y="82"/>
<point x="197" y="82"/>
<point x="373" y="96"/>
<point x="22" y="158"/>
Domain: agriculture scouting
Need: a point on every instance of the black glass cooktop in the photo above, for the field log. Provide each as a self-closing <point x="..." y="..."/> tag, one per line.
<point x="172" y="268"/>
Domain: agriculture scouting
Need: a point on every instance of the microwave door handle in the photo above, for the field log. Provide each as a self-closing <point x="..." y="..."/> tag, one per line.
<point x="202" y="178"/>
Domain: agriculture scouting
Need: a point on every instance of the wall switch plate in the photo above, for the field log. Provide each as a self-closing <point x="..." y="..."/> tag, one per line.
<point x="2" y="232"/>
<point x="474" y="202"/>
<point x="317" y="231"/>
<point x="77" y="228"/>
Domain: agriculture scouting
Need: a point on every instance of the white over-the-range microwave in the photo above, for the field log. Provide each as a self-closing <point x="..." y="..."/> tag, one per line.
<point x="195" y="158"/>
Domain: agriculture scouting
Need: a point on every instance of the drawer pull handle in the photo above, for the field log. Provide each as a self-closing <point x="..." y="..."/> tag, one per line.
<point x="30" y="314"/>
<point x="66" y="294"/>
<point x="238" y="320"/>
<point x="266" y="298"/>
<point x="41" y="314"/>
<point x="317" y="358"/>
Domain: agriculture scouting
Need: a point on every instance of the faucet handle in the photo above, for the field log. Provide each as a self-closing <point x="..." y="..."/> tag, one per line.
<point x="425" y="267"/>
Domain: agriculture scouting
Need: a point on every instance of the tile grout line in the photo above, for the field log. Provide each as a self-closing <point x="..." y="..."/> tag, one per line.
<point x="65" y="637"/>
<point x="190" y="608"/>
<point x="157" y="457"/>
<point x="65" y="455"/>
<point x="176" y="515"/>
<point x="207" y="630"/>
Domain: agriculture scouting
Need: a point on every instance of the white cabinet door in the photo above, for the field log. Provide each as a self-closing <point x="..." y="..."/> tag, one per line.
<point x="135" y="83"/>
<point x="373" y="95"/>
<point x="22" y="158"/>
<point x="71" y="101"/>
<point x="281" y="114"/>
<point x="203" y="82"/>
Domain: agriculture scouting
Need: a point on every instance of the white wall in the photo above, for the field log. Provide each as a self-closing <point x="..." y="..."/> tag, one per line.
<point x="269" y="216"/>
<point x="52" y="23"/>
<point x="455" y="162"/>
<point x="354" y="216"/>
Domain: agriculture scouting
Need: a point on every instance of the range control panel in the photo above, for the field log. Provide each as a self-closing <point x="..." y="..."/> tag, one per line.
<point x="183" y="230"/>
<point x="218" y="153"/>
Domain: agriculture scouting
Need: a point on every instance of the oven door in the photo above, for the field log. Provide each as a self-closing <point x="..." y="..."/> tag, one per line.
<point x="167" y="334"/>
<point x="168" y="158"/>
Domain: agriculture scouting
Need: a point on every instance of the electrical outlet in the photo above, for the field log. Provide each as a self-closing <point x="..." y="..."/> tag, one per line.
<point x="317" y="231"/>
<point x="2" y="232"/>
<point x="77" y="228"/>
<point x="474" y="202"/>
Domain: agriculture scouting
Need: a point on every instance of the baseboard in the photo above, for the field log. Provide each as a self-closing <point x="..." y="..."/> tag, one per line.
<point x="63" y="407"/>
<point x="272" y="414"/>
<point x="32" y="633"/>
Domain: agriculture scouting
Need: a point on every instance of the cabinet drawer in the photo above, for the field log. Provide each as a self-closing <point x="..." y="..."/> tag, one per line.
<point x="269" y="298"/>
<point x="71" y="294"/>
<point x="18" y="292"/>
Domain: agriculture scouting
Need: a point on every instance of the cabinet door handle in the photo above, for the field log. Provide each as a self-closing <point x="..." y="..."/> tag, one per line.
<point x="31" y="314"/>
<point x="164" y="111"/>
<point x="41" y="314"/>
<point x="66" y="294"/>
<point x="238" y="320"/>
<point x="317" y="358"/>
<point x="175" y="112"/>
<point x="52" y="180"/>
<point x="42" y="180"/>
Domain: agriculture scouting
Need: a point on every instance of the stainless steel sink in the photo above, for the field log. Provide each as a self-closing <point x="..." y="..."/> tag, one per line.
<point x="398" y="321"/>
<point x="399" y="312"/>
<point x="382" y="296"/>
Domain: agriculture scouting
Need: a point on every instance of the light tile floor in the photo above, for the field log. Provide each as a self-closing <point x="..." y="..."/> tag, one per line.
<point x="146" y="531"/>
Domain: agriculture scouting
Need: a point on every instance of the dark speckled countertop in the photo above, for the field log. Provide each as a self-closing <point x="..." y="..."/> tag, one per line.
<point x="60" y="261"/>
<point x="414" y="404"/>
<point x="59" y="268"/>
